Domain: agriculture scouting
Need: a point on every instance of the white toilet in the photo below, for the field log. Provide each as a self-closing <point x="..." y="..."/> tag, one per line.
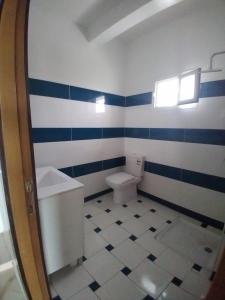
<point x="124" y="184"/>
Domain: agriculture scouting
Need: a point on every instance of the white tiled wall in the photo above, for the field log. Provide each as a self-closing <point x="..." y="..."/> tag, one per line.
<point x="58" y="52"/>
<point x="178" y="45"/>
<point x="54" y="112"/>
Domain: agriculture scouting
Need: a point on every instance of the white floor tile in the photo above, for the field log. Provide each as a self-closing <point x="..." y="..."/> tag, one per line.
<point x="120" y="288"/>
<point x="152" y="219"/>
<point x="121" y="213"/>
<point x="175" y="293"/>
<point x="85" y="294"/>
<point x="148" y="242"/>
<point x="135" y="227"/>
<point x="88" y="226"/>
<point x="137" y="208"/>
<point x="70" y="281"/>
<point x="103" y="220"/>
<point x="151" y="278"/>
<point x="167" y="213"/>
<point x="103" y="266"/>
<point x="174" y="263"/>
<point x="130" y="254"/>
<point x="93" y="243"/>
<point x="91" y="210"/>
<point x="196" y="285"/>
<point x="114" y="234"/>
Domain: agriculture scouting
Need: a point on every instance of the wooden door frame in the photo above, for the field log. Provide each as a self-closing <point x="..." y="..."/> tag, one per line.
<point x="17" y="146"/>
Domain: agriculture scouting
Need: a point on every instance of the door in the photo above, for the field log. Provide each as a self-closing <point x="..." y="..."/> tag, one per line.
<point x="16" y="146"/>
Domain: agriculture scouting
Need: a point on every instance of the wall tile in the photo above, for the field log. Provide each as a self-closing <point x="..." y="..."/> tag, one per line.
<point x="113" y="163"/>
<point x="215" y="183"/>
<point x="113" y="132"/>
<point x="139" y="99"/>
<point x="88" y="168"/>
<point x="205" y="136"/>
<point x="42" y="135"/>
<point x="170" y="134"/>
<point x="86" y="133"/>
<point x="212" y="89"/>
<point x="140" y="133"/>
<point x="48" y="88"/>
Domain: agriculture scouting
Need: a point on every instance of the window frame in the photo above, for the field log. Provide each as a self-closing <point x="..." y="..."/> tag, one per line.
<point x="194" y="99"/>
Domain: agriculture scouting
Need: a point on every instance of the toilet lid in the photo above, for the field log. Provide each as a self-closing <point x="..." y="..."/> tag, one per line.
<point x="120" y="178"/>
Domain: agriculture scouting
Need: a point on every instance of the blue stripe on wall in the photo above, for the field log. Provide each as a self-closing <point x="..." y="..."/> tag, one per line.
<point x="211" y="182"/>
<point x="43" y="135"/>
<point x="88" y="168"/>
<point x="167" y="134"/>
<point x="63" y="91"/>
<point x="59" y="90"/>
<point x="200" y="136"/>
<point x="94" y="167"/>
<point x="139" y="133"/>
<point x="139" y="99"/>
<point x="162" y="170"/>
<point x="113" y="163"/>
<point x="185" y="211"/>
<point x="205" y="136"/>
<point x="113" y="132"/>
<point x="86" y="133"/>
<point x="212" y="89"/>
<point x="48" y="88"/>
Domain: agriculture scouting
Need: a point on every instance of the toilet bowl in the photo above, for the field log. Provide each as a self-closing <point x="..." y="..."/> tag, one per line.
<point x="124" y="184"/>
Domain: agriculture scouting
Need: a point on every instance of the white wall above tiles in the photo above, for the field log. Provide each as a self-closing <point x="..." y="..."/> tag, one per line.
<point x="175" y="46"/>
<point x="59" y="52"/>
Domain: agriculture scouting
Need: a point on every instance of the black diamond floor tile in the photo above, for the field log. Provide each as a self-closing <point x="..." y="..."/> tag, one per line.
<point x="137" y="216"/>
<point x="94" y="286"/>
<point x="119" y="222"/>
<point x="152" y="229"/>
<point x="126" y="271"/>
<point x="97" y="230"/>
<point x="88" y="216"/>
<point x="177" y="281"/>
<point x="133" y="238"/>
<point x="109" y="247"/>
<point x="151" y="257"/>
<point x="196" y="267"/>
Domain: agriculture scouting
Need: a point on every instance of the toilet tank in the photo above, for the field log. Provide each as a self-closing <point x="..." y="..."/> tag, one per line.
<point x="135" y="165"/>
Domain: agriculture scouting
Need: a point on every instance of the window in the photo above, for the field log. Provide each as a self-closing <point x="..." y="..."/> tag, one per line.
<point x="100" y="104"/>
<point x="179" y="90"/>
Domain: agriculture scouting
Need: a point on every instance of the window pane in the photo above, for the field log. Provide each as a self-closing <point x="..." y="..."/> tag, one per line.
<point x="166" y="92"/>
<point x="187" y="87"/>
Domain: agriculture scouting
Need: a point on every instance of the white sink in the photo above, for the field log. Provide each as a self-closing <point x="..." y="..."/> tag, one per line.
<point x="51" y="181"/>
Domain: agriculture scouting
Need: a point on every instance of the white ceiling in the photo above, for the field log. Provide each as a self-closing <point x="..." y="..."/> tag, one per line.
<point x="86" y="12"/>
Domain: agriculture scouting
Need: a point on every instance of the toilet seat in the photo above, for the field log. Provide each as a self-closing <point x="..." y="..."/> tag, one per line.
<point x="121" y="179"/>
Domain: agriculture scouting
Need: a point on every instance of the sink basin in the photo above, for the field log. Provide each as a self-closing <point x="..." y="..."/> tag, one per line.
<point x="50" y="178"/>
<point x="51" y="181"/>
